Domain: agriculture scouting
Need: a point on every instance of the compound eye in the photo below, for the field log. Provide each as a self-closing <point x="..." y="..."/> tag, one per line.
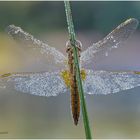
<point x="78" y="44"/>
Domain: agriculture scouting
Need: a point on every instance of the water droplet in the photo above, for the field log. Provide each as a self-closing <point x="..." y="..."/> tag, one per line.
<point x="111" y="37"/>
<point x="106" y="54"/>
<point x="108" y="37"/>
<point x="114" y="40"/>
<point x="115" y="46"/>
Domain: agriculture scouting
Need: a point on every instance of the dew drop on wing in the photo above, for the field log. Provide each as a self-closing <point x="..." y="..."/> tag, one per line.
<point x="52" y="57"/>
<point x="105" y="82"/>
<point x="112" y="40"/>
<point x="106" y="54"/>
<point x="40" y="84"/>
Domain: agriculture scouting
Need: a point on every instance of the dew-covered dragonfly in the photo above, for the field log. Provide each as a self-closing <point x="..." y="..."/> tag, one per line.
<point x="63" y="80"/>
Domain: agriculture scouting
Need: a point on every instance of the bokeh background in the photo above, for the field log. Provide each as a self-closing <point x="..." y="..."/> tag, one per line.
<point x="28" y="116"/>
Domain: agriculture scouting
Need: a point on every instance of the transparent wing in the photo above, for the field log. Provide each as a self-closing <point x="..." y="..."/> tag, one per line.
<point x="105" y="82"/>
<point x="52" y="56"/>
<point x="40" y="84"/>
<point x="112" y="40"/>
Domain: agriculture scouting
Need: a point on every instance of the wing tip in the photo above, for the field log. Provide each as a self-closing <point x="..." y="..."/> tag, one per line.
<point x="12" y="29"/>
<point x="133" y="21"/>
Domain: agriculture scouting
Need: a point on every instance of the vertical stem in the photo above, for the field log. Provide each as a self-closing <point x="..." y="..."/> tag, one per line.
<point x="72" y="39"/>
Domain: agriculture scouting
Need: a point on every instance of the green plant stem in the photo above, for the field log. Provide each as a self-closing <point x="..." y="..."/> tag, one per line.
<point x="72" y="39"/>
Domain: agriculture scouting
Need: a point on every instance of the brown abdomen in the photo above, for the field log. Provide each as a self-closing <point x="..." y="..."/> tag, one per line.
<point x="75" y="101"/>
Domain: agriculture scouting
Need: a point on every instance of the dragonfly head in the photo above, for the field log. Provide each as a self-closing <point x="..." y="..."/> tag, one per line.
<point x="70" y="48"/>
<point x="78" y="44"/>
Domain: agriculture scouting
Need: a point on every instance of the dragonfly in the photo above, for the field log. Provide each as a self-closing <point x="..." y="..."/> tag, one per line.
<point x="63" y="80"/>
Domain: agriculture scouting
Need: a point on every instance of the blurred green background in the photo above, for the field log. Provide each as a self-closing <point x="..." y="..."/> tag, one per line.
<point x="48" y="16"/>
<point x="28" y="116"/>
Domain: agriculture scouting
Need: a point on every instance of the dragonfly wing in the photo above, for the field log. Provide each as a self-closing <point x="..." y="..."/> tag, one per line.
<point x="52" y="56"/>
<point x="105" y="82"/>
<point x="112" y="40"/>
<point x="40" y="84"/>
